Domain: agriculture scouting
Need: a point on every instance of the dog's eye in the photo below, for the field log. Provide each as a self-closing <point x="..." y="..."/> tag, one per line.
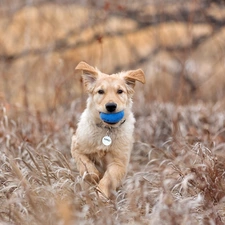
<point x="119" y="91"/>
<point x="101" y="92"/>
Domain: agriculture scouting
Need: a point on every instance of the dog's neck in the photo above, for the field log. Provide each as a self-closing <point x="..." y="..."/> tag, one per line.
<point x="109" y="126"/>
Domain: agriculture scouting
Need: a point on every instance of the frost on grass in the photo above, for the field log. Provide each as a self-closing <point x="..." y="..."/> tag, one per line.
<point x="176" y="173"/>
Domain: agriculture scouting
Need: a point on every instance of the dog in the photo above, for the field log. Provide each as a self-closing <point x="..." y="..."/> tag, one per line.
<point x="102" y="149"/>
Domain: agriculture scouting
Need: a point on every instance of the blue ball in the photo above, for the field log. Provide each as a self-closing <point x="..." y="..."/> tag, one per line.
<point x="112" y="117"/>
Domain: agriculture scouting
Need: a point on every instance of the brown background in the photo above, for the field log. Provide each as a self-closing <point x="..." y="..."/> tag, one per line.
<point x="179" y="46"/>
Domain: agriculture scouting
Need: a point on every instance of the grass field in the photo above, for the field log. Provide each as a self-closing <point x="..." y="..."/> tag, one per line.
<point x="176" y="174"/>
<point x="177" y="169"/>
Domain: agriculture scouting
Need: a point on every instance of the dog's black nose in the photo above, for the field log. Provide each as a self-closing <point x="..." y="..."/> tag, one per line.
<point x="111" y="107"/>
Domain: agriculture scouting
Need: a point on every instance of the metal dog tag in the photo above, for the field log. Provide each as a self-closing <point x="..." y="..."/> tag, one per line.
<point x="106" y="140"/>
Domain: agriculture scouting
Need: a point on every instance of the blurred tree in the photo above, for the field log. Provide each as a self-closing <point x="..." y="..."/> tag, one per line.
<point x="180" y="46"/>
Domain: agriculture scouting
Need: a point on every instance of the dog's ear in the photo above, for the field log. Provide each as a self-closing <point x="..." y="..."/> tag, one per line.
<point x="89" y="74"/>
<point x="134" y="75"/>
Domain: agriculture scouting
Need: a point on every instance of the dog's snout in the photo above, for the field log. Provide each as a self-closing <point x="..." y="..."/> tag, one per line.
<point x="111" y="107"/>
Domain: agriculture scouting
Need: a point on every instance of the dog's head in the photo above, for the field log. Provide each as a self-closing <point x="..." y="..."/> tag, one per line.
<point x="110" y="93"/>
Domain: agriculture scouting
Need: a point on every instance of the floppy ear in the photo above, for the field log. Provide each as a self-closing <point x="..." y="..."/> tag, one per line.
<point x="134" y="75"/>
<point x="89" y="74"/>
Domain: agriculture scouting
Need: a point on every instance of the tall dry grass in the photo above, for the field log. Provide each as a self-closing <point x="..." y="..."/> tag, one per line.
<point x="176" y="173"/>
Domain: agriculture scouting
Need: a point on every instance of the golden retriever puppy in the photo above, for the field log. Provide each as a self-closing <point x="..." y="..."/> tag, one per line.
<point x="103" y="140"/>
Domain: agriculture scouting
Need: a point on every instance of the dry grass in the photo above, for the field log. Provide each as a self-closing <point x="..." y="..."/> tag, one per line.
<point x="176" y="173"/>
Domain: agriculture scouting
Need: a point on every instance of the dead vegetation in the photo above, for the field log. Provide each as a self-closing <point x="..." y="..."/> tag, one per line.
<point x="176" y="173"/>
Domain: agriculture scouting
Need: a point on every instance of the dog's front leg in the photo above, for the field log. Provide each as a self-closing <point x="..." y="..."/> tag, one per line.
<point x="114" y="174"/>
<point x="86" y="167"/>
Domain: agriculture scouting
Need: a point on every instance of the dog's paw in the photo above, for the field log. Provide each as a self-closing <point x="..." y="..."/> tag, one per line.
<point x="102" y="196"/>
<point x="91" y="177"/>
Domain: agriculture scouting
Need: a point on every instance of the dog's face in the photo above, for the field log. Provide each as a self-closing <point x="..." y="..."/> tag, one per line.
<point x="110" y="93"/>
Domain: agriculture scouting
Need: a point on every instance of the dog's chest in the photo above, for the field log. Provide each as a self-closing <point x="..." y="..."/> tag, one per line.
<point x="91" y="138"/>
<point x="99" y="140"/>
<point x="103" y="140"/>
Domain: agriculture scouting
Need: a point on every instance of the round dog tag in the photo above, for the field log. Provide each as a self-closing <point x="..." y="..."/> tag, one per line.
<point x="106" y="140"/>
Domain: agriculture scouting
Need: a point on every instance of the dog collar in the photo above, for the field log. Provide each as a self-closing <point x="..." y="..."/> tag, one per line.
<point x="108" y="125"/>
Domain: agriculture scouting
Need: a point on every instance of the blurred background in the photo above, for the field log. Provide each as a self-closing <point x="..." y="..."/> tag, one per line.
<point x="179" y="44"/>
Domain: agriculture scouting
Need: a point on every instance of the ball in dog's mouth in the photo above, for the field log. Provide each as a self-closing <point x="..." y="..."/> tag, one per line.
<point x="112" y="118"/>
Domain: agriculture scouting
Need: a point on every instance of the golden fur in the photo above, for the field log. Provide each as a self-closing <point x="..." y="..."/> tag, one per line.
<point x="106" y="166"/>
